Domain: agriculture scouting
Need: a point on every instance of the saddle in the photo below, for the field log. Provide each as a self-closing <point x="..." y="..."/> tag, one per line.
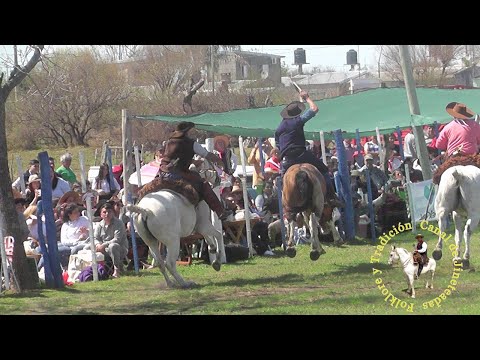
<point x="180" y="186"/>
<point x="419" y="259"/>
<point x="473" y="159"/>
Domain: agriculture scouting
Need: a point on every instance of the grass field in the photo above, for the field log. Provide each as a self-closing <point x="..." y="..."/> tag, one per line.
<point x="340" y="282"/>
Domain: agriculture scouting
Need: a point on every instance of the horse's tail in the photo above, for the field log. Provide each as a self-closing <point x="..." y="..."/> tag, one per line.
<point x="142" y="225"/>
<point x="303" y="185"/>
<point x="139" y="210"/>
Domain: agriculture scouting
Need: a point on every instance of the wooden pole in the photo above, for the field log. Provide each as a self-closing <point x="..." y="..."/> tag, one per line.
<point x="20" y="173"/>
<point x="322" y="145"/>
<point x="88" y="200"/>
<point x="420" y="143"/>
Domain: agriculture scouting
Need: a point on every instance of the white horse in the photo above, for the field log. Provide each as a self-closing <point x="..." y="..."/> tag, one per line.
<point x="410" y="270"/>
<point x="459" y="194"/>
<point x="164" y="217"/>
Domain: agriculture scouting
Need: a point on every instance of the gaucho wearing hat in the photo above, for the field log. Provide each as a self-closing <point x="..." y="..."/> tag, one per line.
<point x="462" y="135"/>
<point x="178" y="156"/>
<point x="290" y="139"/>
<point x="420" y="253"/>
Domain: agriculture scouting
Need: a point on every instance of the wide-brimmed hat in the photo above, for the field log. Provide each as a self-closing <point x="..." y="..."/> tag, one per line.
<point x="70" y="194"/>
<point x="223" y="138"/>
<point x="419" y="236"/>
<point x="292" y="110"/>
<point x="368" y="157"/>
<point x="185" y="126"/>
<point x="33" y="178"/>
<point x="459" y="111"/>
<point x="356" y="173"/>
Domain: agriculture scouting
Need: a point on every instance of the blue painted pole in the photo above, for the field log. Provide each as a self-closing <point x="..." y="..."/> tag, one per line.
<point x="49" y="219"/>
<point x="344" y="174"/>
<point x="109" y="162"/>
<point x="262" y="159"/>
<point x="338" y="185"/>
<point x="47" y="269"/>
<point x="400" y="143"/>
<point x="359" y="148"/>
<point x="370" y="206"/>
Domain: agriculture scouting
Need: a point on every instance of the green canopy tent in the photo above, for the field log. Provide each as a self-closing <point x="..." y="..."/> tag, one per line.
<point x="383" y="108"/>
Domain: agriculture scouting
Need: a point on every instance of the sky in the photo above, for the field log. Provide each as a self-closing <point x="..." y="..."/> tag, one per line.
<point x="321" y="55"/>
<point x="333" y="56"/>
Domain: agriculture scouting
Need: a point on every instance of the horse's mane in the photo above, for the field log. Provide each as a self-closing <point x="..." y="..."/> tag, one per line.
<point x="473" y="159"/>
<point x="178" y="186"/>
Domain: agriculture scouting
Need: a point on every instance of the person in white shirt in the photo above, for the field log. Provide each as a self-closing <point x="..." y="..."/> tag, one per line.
<point x="75" y="227"/>
<point x="102" y="183"/>
<point x="59" y="186"/>
<point x="409" y="150"/>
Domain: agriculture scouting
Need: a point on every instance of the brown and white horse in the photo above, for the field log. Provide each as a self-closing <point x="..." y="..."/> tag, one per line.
<point x="304" y="190"/>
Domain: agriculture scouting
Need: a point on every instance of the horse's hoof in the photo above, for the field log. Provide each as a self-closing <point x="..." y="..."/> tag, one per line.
<point x="291" y="252"/>
<point x="216" y="265"/>
<point x="437" y="254"/>
<point x="413" y="296"/>
<point x="189" y="285"/>
<point x="466" y="263"/>
<point x="314" y="255"/>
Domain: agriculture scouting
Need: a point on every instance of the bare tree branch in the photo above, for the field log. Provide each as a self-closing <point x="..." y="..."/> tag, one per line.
<point x="17" y="77"/>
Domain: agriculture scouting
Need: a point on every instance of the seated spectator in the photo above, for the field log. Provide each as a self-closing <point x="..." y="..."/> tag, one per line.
<point x="59" y="186"/>
<point x="102" y="184"/>
<point x="376" y="174"/>
<point x="33" y="191"/>
<point x="65" y="171"/>
<point x="75" y="230"/>
<point x="111" y="238"/>
<point x="34" y="167"/>
<point x="272" y="165"/>
<point x="415" y="175"/>
<point x="371" y="147"/>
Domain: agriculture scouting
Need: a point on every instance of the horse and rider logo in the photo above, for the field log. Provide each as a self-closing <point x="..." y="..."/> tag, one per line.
<point x="410" y="269"/>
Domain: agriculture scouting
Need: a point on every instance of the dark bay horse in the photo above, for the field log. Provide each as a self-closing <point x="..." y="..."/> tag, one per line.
<point x="304" y="190"/>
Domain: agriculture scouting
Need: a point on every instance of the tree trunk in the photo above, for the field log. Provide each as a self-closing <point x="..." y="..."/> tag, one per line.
<point x="11" y="223"/>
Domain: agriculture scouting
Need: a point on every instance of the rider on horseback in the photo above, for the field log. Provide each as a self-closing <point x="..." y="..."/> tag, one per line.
<point x="420" y="253"/>
<point x="290" y="139"/>
<point x="462" y="135"/>
<point x="177" y="158"/>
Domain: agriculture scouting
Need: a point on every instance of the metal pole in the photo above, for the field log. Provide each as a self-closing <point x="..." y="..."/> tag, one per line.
<point x="400" y="143"/>
<point x="88" y="200"/>
<point x="245" y="196"/>
<point x="262" y="159"/>
<point x="381" y="149"/>
<point x="420" y="144"/>
<point x="359" y="148"/>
